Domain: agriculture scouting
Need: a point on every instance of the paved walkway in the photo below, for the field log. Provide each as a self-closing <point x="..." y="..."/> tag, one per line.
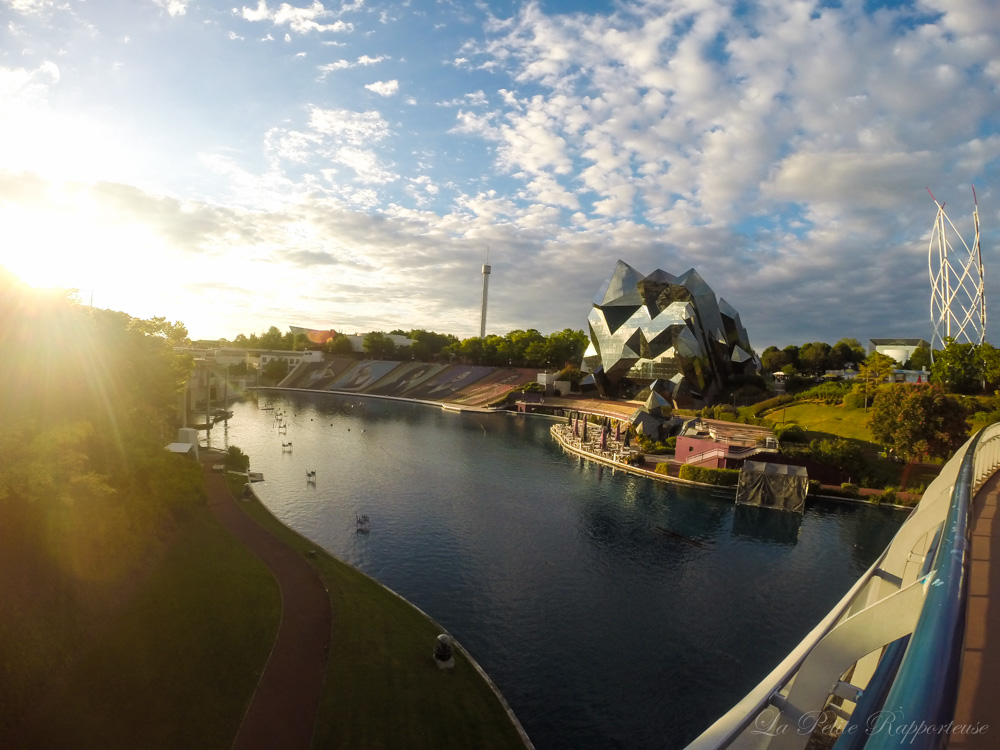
<point x="283" y="709"/>
<point x="977" y="694"/>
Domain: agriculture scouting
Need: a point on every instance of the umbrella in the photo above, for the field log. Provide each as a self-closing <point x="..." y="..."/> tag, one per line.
<point x="618" y="431"/>
<point x="576" y="427"/>
<point x="569" y="418"/>
<point x="584" y="429"/>
<point x="627" y="436"/>
<point x="604" y="438"/>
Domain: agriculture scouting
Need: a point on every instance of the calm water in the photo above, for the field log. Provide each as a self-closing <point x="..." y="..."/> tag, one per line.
<point x="600" y="631"/>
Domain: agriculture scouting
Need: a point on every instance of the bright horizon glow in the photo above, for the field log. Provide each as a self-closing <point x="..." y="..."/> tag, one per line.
<point x="346" y="165"/>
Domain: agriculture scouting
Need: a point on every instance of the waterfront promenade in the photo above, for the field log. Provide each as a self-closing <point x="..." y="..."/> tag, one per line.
<point x="977" y="703"/>
<point x="283" y="709"/>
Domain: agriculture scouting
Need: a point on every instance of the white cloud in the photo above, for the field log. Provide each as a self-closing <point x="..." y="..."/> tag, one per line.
<point x="299" y="20"/>
<point x="384" y="88"/>
<point x="173" y="7"/>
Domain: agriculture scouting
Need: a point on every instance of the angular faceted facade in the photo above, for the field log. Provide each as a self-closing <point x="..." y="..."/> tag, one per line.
<point x="664" y="333"/>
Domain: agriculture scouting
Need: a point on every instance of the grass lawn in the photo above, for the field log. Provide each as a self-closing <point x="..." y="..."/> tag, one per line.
<point x="383" y="689"/>
<point x="177" y="666"/>
<point x="824" y="421"/>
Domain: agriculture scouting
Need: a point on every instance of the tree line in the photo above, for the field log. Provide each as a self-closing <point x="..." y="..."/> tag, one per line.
<point x="517" y="348"/>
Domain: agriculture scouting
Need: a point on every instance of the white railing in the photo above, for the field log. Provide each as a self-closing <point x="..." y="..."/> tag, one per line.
<point x="882" y="643"/>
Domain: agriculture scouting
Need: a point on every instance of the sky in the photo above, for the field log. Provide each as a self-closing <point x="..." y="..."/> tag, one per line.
<point x="352" y="165"/>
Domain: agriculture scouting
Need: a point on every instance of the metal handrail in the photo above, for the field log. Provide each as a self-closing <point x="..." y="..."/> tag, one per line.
<point x="917" y="588"/>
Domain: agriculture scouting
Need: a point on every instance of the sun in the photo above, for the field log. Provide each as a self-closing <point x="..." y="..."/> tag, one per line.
<point x="71" y="245"/>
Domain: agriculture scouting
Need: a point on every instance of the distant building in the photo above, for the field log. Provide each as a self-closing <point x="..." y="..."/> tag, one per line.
<point x="665" y="332"/>
<point x="260" y="357"/>
<point x="899" y="349"/>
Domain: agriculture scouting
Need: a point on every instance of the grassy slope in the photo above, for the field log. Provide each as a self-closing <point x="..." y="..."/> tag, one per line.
<point x="178" y="665"/>
<point x="383" y="689"/>
<point x="824" y="421"/>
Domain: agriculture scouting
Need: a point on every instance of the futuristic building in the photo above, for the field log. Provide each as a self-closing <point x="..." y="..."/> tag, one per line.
<point x="664" y="334"/>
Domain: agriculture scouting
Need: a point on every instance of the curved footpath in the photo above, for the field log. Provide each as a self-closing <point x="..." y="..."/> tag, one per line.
<point x="283" y="710"/>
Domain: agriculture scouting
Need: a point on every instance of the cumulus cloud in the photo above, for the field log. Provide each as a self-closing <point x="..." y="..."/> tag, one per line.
<point x="298" y="20"/>
<point x="173" y="7"/>
<point x="384" y="88"/>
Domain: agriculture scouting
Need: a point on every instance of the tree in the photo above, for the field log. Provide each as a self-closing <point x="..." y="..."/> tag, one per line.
<point x="872" y="373"/>
<point x="275" y="370"/>
<point x="566" y="347"/>
<point x="847" y="351"/>
<point x="918" y="419"/>
<point x="272" y="340"/>
<point x="339" y="344"/>
<point x="920" y="359"/>
<point x="958" y="368"/>
<point x="990" y="358"/>
<point x="773" y="359"/>
<point x="378" y="345"/>
<point x="814" y="358"/>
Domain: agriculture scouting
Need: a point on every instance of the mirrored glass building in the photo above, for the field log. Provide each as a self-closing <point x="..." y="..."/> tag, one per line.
<point x="666" y="334"/>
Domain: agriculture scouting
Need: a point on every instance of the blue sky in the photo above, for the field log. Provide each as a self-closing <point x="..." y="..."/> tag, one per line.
<point x="348" y="165"/>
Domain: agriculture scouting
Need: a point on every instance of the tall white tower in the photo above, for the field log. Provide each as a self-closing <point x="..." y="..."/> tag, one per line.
<point x="486" y="289"/>
<point x="958" y="295"/>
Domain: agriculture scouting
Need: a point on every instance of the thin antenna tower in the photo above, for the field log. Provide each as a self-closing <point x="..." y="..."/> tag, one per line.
<point x="958" y="291"/>
<point x="486" y="288"/>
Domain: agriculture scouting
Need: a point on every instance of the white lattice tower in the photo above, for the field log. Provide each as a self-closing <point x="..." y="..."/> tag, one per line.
<point x="958" y="296"/>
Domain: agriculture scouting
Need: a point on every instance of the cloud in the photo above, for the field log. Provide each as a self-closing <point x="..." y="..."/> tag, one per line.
<point x="173" y="7"/>
<point x="363" y="60"/>
<point x="384" y="88"/>
<point x="299" y="20"/>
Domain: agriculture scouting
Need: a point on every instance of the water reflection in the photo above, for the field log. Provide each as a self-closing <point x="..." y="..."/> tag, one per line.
<point x="766" y="524"/>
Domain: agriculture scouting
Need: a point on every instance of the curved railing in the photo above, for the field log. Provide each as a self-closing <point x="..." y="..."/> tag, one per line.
<point x="882" y="668"/>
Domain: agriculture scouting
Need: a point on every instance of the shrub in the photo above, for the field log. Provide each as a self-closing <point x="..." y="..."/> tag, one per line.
<point x="791" y="433"/>
<point x="236" y="460"/>
<point x="720" y="477"/>
<point x="663" y="468"/>
<point x="772" y="403"/>
<point x="889" y="496"/>
<point x="854" y="400"/>
<point x="850" y="488"/>
<point x="814" y="486"/>
<point x="830" y="393"/>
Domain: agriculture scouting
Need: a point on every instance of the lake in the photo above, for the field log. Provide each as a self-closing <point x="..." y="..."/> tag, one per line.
<point x="600" y="631"/>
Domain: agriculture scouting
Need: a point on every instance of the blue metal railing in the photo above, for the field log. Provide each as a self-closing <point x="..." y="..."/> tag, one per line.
<point x="915" y="596"/>
<point x="921" y="702"/>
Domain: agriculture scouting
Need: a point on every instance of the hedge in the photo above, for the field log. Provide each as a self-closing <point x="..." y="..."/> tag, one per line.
<point x="720" y="477"/>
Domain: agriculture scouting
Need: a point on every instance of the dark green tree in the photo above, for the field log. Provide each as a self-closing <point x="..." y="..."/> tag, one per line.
<point x="378" y="345"/>
<point x="920" y="359"/>
<point x="339" y="345"/>
<point x="814" y="358"/>
<point x="958" y="368"/>
<point x="275" y="370"/>
<point x="566" y="347"/>
<point x="847" y="351"/>
<point x="918" y="420"/>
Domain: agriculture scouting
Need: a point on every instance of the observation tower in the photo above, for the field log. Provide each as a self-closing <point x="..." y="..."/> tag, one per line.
<point x="958" y="295"/>
<point x="486" y="289"/>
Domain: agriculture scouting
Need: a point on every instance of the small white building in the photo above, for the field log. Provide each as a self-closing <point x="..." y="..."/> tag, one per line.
<point x="899" y="349"/>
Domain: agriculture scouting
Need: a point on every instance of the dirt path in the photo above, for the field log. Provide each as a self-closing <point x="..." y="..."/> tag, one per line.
<point x="283" y="709"/>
